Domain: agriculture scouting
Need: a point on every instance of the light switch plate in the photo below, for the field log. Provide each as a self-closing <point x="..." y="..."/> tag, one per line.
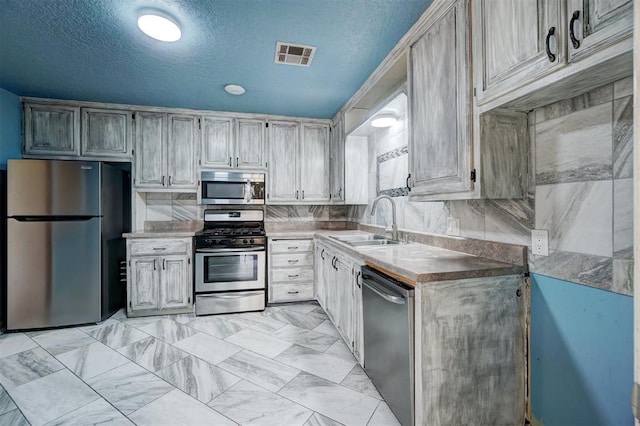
<point x="540" y="242"/>
<point x="453" y="226"/>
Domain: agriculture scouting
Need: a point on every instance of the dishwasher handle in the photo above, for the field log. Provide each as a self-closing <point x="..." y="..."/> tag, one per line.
<point x="380" y="291"/>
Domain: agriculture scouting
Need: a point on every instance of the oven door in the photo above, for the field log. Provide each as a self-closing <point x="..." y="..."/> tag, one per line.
<point x="230" y="269"/>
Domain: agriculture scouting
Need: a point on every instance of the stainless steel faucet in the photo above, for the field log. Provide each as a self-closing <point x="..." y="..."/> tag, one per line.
<point x="394" y="225"/>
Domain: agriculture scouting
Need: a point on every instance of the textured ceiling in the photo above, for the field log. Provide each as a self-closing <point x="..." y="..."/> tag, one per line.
<point x="92" y="50"/>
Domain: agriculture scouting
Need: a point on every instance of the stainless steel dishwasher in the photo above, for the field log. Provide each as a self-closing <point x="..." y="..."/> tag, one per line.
<point x="388" y="307"/>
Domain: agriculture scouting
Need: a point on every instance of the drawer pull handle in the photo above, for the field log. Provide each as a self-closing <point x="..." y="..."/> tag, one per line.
<point x="294" y="276"/>
<point x="574" y="41"/>
<point x="159" y="248"/>
<point x="293" y="261"/>
<point x="293" y="292"/>
<point x="292" y="248"/>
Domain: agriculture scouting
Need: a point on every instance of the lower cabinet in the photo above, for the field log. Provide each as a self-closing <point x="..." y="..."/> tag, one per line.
<point x="290" y="270"/>
<point x="339" y="292"/>
<point x="159" y="279"/>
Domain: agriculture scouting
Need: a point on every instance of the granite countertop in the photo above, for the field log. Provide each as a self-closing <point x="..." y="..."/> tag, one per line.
<point x="419" y="263"/>
<point x="293" y="235"/>
<point x="160" y="234"/>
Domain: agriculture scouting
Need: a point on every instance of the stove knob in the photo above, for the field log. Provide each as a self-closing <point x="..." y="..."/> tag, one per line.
<point x="252" y="241"/>
<point x="245" y="241"/>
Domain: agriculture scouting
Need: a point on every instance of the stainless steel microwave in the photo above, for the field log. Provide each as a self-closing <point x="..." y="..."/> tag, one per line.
<point x="231" y="188"/>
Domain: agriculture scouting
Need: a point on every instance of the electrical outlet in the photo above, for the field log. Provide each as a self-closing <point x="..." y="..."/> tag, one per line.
<point x="453" y="226"/>
<point x="540" y="242"/>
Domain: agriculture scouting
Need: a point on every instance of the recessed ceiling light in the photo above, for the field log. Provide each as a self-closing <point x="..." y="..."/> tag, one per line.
<point x="234" y="89"/>
<point x="384" y="119"/>
<point x="159" y="27"/>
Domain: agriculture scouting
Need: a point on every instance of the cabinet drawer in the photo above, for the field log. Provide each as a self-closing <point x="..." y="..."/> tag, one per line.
<point x="292" y="259"/>
<point x="287" y="292"/>
<point x="291" y="246"/>
<point x="159" y="247"/>
<point x="292" y="275"/>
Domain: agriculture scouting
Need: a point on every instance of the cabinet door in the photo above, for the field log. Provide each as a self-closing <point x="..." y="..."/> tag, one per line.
<point x="358" y="319"/>
<point x="597" y="24"/>
<point x="106" y="133"/>
<point x="216" y="142"/>
<point x="344" y="299"/>
<point x="151" y="131"/>
<point x="144" y="281"/>
<point x="321" y="291"/>
<point x="511" y="43"/>
<point x="314" y="163"/>
<point x="51" y="130"/>
<point x="283" y="162"/>
<point x="181" y="149"/>
<point x="440" y="106"/>
<point x="250" y="144"/>
<point x="175" y="284"/>
<point x="336" y="161"/>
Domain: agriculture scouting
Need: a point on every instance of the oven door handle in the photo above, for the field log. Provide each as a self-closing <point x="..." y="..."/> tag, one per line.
<point x="227" y="250"/>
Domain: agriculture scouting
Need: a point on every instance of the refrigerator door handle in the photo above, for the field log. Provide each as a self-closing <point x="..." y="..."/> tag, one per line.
<point x="52" y="218"/>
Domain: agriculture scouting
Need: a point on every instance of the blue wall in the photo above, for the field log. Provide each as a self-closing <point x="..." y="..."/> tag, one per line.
<point x="10" y="127"/>
<point x="581" y="354"/>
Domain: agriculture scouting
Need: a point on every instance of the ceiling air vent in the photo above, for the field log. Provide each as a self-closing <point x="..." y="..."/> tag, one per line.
<point x="294" y="54"/>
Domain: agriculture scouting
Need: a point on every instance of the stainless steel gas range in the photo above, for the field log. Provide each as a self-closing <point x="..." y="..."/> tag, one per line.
<point x="230" y="262"/>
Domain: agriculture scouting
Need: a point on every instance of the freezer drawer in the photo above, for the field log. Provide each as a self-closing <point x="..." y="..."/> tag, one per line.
<point x="53" y="273"/>
<point x="222" y="303"/>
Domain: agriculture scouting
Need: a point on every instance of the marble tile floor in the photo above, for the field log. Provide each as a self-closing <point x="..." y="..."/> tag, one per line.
<point x="284" y="366"/>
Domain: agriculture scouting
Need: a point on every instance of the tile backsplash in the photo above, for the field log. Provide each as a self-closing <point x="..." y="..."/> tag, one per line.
<point x="580" y="189"/>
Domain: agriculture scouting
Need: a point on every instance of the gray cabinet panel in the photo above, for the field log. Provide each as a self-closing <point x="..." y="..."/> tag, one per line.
<point x="314" y="163"/>
<point x="217" y="148"/>
<point x="440" y="106"/>
<point x="510" y="43"/>
<point x="598" y="25"/>
<point x="283" y="162"/>
<point x="181" y="148"/>
<point x="150" y="150"/>
<point x="106" y="133"/>
<point x="175" y="283"/>
<point x="51" y="130"/>
<point x="337" y="163"/>
<point x="250" y="146"/>
<point x="144" y="278"/>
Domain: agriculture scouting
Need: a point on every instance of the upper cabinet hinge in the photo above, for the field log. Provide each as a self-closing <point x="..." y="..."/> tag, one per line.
<point x="199" y="124"/>
<point x="473" y="175"/>
<point x="266" y="124"/>
<point x="266" y="164"/>
<point x="133" y="116"/>
<point x="475" y="92"/>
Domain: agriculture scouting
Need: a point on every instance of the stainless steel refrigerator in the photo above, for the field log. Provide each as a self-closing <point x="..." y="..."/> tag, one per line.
<point x="65" y="221"/>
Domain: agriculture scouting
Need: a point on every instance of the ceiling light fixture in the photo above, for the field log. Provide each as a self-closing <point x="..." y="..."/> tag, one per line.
<point x="159" y="27"/>
<point x="384" y="119"/>
<point x="234" y="89"/>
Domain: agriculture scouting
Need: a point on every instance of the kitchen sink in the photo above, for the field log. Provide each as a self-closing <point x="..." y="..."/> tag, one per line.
<point x="365" y="240"/>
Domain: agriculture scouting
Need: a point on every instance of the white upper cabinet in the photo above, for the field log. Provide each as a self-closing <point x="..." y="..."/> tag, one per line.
<point x="250" y="144"/>
<point x="282" y="177"/>
<point x="233" y="143"/>
<point x="515" y="42"/>
<point x="106" y="133"/>
<point x="166" y="151"/>
<point x="217" y="142"/>
<point x="52" y="130"/>
<point x="151" y="135"/>
<point x="181" y="149"/>
<point x="314" y="163"/>
<point x="336" y="162"/>
<point x="440" y="105"/>
<point x="298" y="171"/>
<point x="597" y="24"/>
